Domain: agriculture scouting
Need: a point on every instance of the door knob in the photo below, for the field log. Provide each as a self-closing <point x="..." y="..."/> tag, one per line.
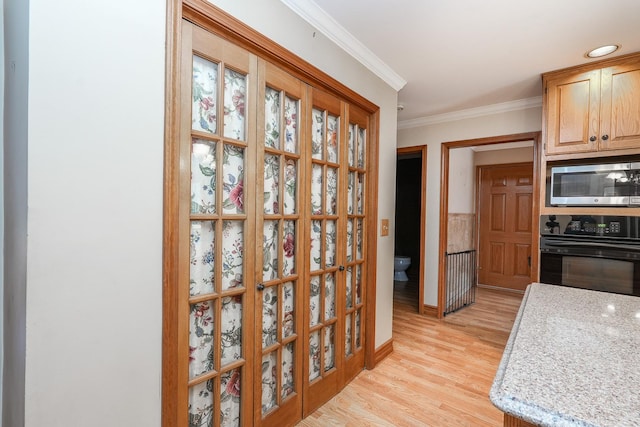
<point x="605" y="137"/>
<point x="260" y="287"/>
<point x="341" y="268"/>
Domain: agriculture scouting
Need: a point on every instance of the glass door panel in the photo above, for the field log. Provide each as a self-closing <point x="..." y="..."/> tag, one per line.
<point x="278" y="297"/>
<point x="213" y="291"/>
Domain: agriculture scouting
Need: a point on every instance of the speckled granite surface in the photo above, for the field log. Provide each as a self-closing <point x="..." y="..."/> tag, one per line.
<point x="573" y="359"/>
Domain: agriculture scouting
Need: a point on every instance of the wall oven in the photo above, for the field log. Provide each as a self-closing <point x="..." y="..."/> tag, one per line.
<point x="601" y="253"/>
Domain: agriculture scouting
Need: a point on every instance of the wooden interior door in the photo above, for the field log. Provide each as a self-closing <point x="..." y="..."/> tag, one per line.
<point x="216" y="230"/>
<point x="334" y="298"/>
<point x="279" y="304"/>
<point x="505" y="203"/>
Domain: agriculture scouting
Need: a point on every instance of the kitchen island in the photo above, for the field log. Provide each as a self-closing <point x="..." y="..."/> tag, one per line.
<point x="572" y="359"/>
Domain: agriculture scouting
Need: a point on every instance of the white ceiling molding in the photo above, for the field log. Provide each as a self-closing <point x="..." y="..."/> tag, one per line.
<point x="520" y="104"/>
<point x="318" y="18"/>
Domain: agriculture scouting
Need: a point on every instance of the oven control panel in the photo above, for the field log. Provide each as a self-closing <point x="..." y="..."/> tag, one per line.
<point x="627" y="227"/>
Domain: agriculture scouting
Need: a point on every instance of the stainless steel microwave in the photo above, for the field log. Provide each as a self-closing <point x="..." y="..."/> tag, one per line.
<point x="608" y="184"/>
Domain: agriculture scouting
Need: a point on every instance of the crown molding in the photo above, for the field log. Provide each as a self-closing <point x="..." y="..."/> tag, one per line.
<point x="323" y="22"/>
<point x="520" y="104"/>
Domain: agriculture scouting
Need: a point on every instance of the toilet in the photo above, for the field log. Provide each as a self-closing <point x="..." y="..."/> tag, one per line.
<point x="400" y="265"/>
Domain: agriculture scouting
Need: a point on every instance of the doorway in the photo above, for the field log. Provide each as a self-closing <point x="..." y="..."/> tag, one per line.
<point x="410" y="213"/>
<point x="449" y="197"/>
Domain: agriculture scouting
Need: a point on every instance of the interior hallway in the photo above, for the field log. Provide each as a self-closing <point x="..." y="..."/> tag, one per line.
<point x="439" y="373"/>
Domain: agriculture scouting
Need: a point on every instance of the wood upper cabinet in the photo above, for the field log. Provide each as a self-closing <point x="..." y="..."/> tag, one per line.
<point x="595" y="107"/>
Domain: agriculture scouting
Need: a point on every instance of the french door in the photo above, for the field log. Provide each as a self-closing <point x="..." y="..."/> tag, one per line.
<point x="272" y="240"/>
<point x="334" y="317"/>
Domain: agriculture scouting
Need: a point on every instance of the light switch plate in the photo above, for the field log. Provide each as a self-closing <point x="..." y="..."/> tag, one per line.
<point x="384" y="227"/>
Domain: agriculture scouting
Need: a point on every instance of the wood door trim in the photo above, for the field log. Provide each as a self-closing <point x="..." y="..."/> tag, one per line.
<point x="444" y="201"/>
<point x="423" y="217"/>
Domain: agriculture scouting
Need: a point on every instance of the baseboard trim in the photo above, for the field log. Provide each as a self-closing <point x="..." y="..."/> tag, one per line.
<point x="383" y="351"/>
<point x="430" y="310"/>
<point x="498" y="288"/>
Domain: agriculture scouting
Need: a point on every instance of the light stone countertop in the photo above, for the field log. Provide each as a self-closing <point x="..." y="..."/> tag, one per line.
<point x="572" y="359"/>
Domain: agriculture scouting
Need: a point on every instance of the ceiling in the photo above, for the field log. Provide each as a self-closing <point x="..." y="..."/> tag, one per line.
<point x="463" y="54"/>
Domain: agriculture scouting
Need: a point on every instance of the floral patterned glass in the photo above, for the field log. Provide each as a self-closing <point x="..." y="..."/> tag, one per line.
<point x="232" y="254"/>
<point x="271" y="184"/>
<point x="329" y="297"/>
<point x="290" y="185"/>
<point x="290" y="125"/>
<point x="358" y="284"/>
<point x="349" y="288"/>
<point x="230" y="398"/>
<point x="333" y="127"/>
<point x="269" y="381"/>
<point x="231" y="329"/>
<point x="359" y="238"/>
<point x="201" y="258"/>
<point x="203" y="177"/>
<point x="314" y="300"/>
<point x="235" y="88"/>
<point x="201" y="404"/>
<point x="270" y="251"/>
<point x="316" y="245"/>
<point x="329" y="348"/>
<point x="289" y="249"/>
<point x="288" y="384"/>
<point x="332" y="191"/>
<point x="314" y="355"/>
<point x="269" y="316"/>
<point x="361" y="147"/>
<point x="201" y="330"/>
<point x="288" y="307"/>
<point x="347" y="335"/>
<point x="330" y="242"/>
<point x="232" y="183"/>
<point x="317" y="134"/>
<point x="350" y="240"/>
<point x="360" y="194"/>
<point x="272" y="118"/>
<point x="204" y="84"/>
<point x="352" y="144"/>
<point x="358" y="328"/>
<point x="351" y="192"/>
<point x="316" y="190"/>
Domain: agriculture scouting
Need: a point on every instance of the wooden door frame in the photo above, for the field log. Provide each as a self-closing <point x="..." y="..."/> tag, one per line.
<point x="208" y="16"/>
<point x="444" y="202"/>
<point x="478" y="199"/>
<point x="423" y="215"/>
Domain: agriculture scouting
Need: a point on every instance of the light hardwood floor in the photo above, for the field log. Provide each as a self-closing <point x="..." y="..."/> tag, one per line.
<point x="439" y="373"/>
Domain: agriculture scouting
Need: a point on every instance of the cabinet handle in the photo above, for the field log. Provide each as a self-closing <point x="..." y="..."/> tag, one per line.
<point x="605" y="137"/>
<point x="593" y="138"/>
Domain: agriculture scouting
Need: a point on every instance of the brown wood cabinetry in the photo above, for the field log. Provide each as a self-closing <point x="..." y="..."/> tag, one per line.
<point x="593" y="108"/>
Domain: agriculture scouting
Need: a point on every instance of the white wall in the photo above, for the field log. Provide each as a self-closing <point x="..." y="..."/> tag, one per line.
<point x="2" y="62"/>
<point x="273" y="19"/>
<point x="16" y="24"/>
<point x="94" y="257"/>
<point x="528" y="120"/>
<point x="461" y="180"/>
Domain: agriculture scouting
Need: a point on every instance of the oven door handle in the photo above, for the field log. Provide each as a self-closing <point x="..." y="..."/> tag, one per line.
<point x="574" y="244"/>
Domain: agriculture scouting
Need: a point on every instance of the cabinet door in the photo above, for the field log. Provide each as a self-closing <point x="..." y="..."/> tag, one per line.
<point x="620" y="107"/>
<point x="573" y="113"/>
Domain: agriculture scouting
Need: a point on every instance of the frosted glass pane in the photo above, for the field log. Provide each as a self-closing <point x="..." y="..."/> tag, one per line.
<point x="204" y="95"/>
<point x="203" y="177"/>
<point x="235" y="88"/>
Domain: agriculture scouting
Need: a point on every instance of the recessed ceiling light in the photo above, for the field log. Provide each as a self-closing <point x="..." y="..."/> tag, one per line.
<point x="602" y="51"/>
